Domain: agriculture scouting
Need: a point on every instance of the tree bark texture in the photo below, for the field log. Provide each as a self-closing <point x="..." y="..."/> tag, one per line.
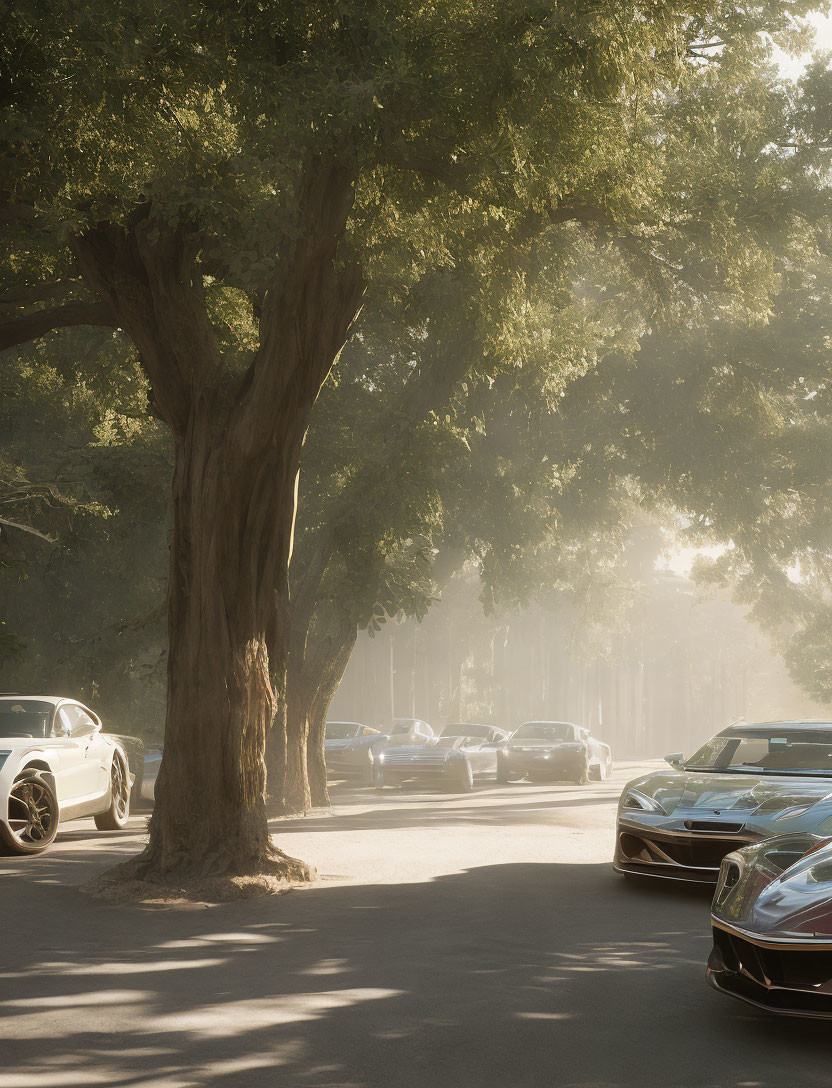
<point x="319" y="653"/>
<point x="237" y="440"/>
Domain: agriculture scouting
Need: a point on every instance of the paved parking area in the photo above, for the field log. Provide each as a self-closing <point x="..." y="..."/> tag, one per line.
<point x="470" y="941"/>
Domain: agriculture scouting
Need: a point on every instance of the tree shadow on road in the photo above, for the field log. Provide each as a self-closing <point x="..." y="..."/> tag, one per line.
<point x="502" y="976"/>
<point x="392" y="810"/>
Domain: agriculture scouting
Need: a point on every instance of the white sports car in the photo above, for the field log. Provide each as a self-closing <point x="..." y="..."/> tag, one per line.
<point x="56" y="764"/>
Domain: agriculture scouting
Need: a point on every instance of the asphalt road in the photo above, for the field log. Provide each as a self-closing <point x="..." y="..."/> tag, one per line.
<point x="477" y="941"/>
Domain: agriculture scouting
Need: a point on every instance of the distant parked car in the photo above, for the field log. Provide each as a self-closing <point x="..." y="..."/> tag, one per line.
<point x="350" y="750"/>
<point x="56" y="764"/>
<point x="409" y="731"/>
<point x="450" y="762"/>
<point x="152" y="763"/>
<point x="772" y="926"/>
<point x="549" y="750"/>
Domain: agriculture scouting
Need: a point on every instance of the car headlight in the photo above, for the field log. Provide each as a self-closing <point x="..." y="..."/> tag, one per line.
<point x="4" y="756"/>
<point x="633" y="799"/>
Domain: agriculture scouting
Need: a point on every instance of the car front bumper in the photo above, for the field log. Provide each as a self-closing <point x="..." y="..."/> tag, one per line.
<point x="676" y="853"/>
<point x="417" y="771"/>
<point x="552" y="764"/>
<point x="348" y="763"/>
<point x="789" y="977"/>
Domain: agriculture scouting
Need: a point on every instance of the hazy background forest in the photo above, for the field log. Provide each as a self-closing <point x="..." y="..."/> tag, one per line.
<point x="631" y="643"/>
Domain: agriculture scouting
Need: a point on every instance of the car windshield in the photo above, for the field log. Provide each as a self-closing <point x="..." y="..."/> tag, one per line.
<point x="773" y="750"/>
<point x="342" y="730"/>
<point x="545" y="731"/>
<point x="25" y="718"/>
<point x="481" y="732"/>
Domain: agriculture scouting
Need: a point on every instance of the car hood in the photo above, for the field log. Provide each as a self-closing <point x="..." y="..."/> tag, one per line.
<point x="14" y="744"/>
<point x="759" y="898"/>
<point x="527" y="745"/>
<point x="714" y="792"/>
<point x="340" y="744"/>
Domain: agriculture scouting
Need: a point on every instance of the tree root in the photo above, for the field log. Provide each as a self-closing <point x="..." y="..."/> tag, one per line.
<point x="140" y="881"/>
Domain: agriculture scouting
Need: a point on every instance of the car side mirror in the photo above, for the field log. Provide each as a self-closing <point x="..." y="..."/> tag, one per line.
<point x="675" y="760"/>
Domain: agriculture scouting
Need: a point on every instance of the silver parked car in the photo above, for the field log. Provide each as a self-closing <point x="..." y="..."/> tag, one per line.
<point x="451" y="762"/>
<point x="749" y="782"/>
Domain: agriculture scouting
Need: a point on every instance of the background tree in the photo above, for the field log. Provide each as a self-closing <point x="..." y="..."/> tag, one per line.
<point x="221" y="186"/>
<point x="660" y="264"/>
<point x="85" y="530"/>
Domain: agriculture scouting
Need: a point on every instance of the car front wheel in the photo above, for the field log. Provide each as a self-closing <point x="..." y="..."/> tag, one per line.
<point x="461" y="777"/>
<point x="116" y="815"/>
<point x="32" y="816"/>
<point x="582" y="777"/>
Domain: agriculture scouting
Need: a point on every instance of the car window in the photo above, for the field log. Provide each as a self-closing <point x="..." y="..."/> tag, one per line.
<point x="24" y="718"/>
<point x="84" y="724"/>
<point x="74" y="721"/>
<point x="777" y="749"/>
<point x="545" y="731"/>
<point x="342" y="730"/>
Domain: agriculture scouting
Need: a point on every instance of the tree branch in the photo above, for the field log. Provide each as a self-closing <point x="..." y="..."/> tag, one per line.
<point x="27" y="529"/>
<point x="33" y="326"/>
<point x="25" y="296"/>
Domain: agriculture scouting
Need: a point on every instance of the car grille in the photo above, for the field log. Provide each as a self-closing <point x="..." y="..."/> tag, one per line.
<point x="689" y="851"/>
<point x="392" y="758"/>
<point x="790" y="979"/>
<point x="713" y="827"/>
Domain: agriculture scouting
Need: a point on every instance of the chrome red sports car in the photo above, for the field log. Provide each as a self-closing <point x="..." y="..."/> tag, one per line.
<point x="772" y="926"/>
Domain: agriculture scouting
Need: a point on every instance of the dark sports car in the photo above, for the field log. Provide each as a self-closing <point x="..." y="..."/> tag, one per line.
<point x="350" y="750"/>
<point x="152" y="763"/>
<point x="772" y="926"/>
<point x="748" y="783"/>
<point x="544" y="751"/>
<point x="459" y="754"/>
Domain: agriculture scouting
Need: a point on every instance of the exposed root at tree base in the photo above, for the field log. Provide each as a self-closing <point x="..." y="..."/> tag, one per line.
<point x="135" y="882"/>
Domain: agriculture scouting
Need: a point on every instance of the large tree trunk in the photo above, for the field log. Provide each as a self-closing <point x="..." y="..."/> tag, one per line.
<point x="232" y="531"/>
<point x="237" y="439"/>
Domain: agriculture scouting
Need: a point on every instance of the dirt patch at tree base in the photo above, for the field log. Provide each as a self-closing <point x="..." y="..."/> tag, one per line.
<point x="127" y="884"/>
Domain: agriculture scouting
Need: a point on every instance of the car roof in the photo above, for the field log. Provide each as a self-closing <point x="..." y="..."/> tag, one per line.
<point x="472" y="725"/>
<point x="540" y="721"/>
<point x="791" y="723"/>
<point x="54" y="699"/>
<point x="466" y="725"/>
